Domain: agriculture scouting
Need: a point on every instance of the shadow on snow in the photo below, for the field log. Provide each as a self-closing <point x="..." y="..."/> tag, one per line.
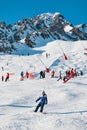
<point x="16" y="106"/>
<point x="71" y="112"/>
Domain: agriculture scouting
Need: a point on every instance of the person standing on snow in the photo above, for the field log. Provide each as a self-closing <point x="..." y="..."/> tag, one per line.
<point x="52" y="74"/>
<point x="43" y="101"/>
<point x="22" y="76"/>
<point x="60" y="76"/>
<point x="2" y="78"/>
<point x="7" y="77"/>
<point x="27" y="74"/>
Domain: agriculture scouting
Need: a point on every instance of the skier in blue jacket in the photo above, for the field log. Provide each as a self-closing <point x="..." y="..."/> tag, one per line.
<point x="43" y="101"/>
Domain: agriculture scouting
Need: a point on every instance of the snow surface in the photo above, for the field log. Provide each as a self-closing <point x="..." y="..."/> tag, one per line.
<point x="68" y="28"/>
<point x="67" y="103"/>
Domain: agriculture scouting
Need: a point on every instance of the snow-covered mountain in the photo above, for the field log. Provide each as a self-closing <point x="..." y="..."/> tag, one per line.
<point x="67" y="103"/>
<point x="39" y="30"/>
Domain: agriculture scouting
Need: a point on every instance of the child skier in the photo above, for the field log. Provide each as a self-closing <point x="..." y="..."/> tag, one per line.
<point x="43" y="101"/>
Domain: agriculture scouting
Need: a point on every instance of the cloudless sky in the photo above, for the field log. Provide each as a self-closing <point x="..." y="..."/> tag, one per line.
<point x="75" y="11"/>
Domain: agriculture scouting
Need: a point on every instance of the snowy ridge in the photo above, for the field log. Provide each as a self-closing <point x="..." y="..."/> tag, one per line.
<point x="67" y="103"/>
<point x="37" y="31"/>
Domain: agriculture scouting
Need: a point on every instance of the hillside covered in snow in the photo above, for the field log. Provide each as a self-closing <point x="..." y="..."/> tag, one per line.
<point x="67" y="102"/>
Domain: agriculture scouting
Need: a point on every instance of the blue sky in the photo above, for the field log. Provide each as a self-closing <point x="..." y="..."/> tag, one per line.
<point x="75" y="11"/>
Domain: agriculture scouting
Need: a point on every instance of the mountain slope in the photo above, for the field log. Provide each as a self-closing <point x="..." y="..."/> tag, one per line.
<point x="38" y="31"/>
<point x="67" y="103"/>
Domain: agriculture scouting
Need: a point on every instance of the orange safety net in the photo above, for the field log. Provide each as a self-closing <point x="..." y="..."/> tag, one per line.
<point x="31" y="75"/>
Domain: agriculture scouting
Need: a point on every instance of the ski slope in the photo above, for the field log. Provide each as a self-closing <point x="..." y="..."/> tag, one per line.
<point x="67" y="103"/>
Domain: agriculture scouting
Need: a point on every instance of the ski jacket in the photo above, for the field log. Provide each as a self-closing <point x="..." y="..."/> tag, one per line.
<point x="43" y="99"/>
<point x="52" y="73"/>
<point x="7" y="76"/>
<point x="22" y="73"/>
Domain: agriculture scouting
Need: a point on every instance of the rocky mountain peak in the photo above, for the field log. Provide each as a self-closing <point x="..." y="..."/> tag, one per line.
<point x="39" y="30"/>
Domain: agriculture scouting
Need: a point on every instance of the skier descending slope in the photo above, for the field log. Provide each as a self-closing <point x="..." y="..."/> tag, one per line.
<point x="43" y="100"/>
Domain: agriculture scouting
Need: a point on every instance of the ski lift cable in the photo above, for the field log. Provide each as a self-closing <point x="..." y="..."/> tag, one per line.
<point x="41" y="61"/>
<point x="60" y="47"/>
<point x="48" y="83"/>
<point x="65" y="56"/>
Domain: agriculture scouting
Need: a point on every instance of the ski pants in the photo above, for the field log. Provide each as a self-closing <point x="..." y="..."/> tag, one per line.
<point x="41" y="105"/>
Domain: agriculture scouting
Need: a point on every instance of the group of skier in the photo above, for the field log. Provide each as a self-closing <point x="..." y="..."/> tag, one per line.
<point x="6" y="78"/>
<point x="71" y="74"/>
<point x="43" y="100"/>
<point x="62" y="76"/>
<point x="26" y="75"/>
<point x="68" y="74"/>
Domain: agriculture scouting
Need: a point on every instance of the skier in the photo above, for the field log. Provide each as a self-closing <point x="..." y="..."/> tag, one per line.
<point x="81" y="73"/>
<point x="46" y="55"/>
<point x="22" y="76"/>
<point x="52" y="74"/>
<point x="27" y="74"/>
<point x="64" y="78"/>
<point x="2" y="78"/>
<point x="43" y="101"/>
<point x="75" y="72"/>
<point x="22" y="73"/>
<point x="7" y="77"/>
<point x="71" y="73"/>
<point x="60" y="76"/>
<point x="2" y="68"/>
<point x="42" y="74"/>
